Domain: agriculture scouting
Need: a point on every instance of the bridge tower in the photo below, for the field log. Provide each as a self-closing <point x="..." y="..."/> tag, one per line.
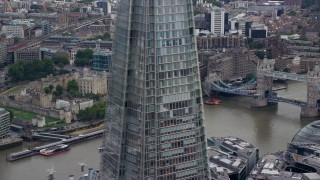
<point x="264" y="83"/>
<point x="313" y="93"/>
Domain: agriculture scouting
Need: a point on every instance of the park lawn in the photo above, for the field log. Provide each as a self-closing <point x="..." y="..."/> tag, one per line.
<point x="55" y="125"/>
<point x="14" y="89"/>
<point x="25" y="115"/>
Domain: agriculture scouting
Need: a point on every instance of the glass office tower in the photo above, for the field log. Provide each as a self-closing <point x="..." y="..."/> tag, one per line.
<point x="154" y="119"/>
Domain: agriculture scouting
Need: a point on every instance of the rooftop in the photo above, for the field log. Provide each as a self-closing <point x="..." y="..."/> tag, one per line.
<point x="307" y="146"/>
<point x="231" y="163"/>
<point x="2" y="111"/>
<point x="236" y="144"/>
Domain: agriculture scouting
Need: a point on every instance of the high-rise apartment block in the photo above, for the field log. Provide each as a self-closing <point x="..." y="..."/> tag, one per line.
<point x="154" y="119"/>
<point x="217" y="20"/>
<point x="4" y="123"/>
<point x="3" y="53"/>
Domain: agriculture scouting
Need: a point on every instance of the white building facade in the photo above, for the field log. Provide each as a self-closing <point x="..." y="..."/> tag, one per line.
<point x="217" y="20"/>
<point x="16" y="30"/>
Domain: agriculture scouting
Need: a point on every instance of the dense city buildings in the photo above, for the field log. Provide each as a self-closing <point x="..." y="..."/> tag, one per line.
<point x="300" y="161"/>
<point x="231" y="64"/>
<point x="274" y="167"/>
<point x="238" y="148"/>
<point x="154" y="118"/>
<point x="154" y="121"/>
<point x="4" y="123"/>
<point x="236" y="167"/>
<point x="209" y="41"/>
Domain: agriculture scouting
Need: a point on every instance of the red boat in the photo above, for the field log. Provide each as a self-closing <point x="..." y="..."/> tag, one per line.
<point x="54" y="150"/>
<point x="213" y="101"/>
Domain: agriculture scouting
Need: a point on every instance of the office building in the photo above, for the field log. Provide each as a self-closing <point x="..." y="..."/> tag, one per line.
<point x="45" y="26"/>
<point x="217" y="20"/>
<point x="26" y="55"/>
<point x="4" y="123"/>
<point x="258" y="31"/>
<point x="28" y="22"/>
<point x="237" y="147"/>
<point x="310" y="133"/>
<point x="105" y="5"/>
<point x="210" y="42"/>
<point x="274" y="167"/>
<point x="16" y="30"/>
<point x="101" y="61"/>
<point x="293" y="2"/>
<point x="3" y="53"/>
<point x="94" y="44"/>
<point x="154" y="119"/>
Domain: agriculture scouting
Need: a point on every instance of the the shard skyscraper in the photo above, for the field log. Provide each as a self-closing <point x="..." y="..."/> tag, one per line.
<point x="154" y="120"/>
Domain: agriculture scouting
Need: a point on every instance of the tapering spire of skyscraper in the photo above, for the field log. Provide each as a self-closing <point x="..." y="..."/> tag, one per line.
<point x="154" y="119"/>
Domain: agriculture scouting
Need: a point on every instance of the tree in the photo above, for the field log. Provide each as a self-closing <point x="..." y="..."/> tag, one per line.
<point x="30" y="70"/>
<point x="83" y="57"/>
<point x="16" y="72"/>
<point x="76" y="10"/>
<point x="48" y="66"/>
<point x="60" y="60"/>
<point x="47" y="90"/>
<point x="292" y="13"/>
<point x="59" y="90"/>
<point x="97" y="111"/>
<point x="51" y="9"/>
<point x="260" y="54"/>
<point x="86" y="53"/>
<point x="72" y="86"/>
<point x="51" y="87"/>
<point x="81" y="62"/>
<point x="105" y="37"/>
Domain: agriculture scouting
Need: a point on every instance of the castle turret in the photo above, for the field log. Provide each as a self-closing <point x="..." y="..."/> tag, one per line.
<point x="313" y="95"/>
<point x="264" y="83"/>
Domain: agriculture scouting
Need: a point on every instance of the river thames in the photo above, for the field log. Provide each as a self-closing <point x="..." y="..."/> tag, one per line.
<point x="269" y="129"/>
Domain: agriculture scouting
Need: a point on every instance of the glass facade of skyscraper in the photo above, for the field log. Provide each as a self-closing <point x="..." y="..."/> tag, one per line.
<point x="154" y="119"/>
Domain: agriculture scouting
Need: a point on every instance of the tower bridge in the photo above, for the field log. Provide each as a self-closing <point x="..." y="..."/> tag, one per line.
<point x="263" y="95"/>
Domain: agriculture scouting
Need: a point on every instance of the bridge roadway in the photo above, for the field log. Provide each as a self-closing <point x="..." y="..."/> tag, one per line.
<point x="49" y="136"/>
<point x="287" y="100"/>
<point x="285" y="75"/>
<point x="251" y="93"/>
<point x="36" y="150"/>
<point x="30" y="43"/>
